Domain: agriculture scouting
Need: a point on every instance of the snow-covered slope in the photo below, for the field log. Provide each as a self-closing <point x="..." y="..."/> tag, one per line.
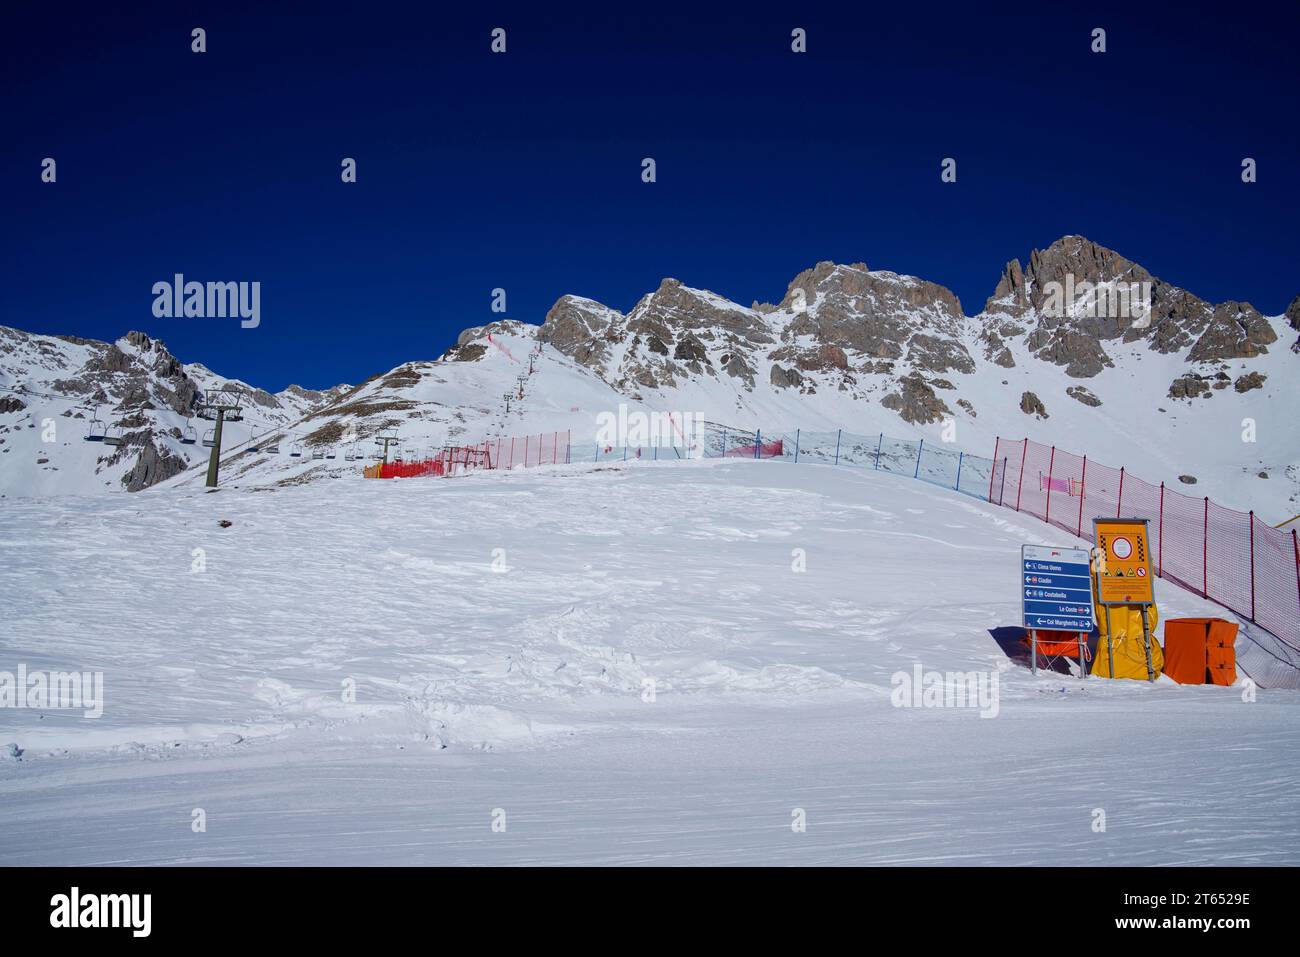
<point x="639" y="663"/>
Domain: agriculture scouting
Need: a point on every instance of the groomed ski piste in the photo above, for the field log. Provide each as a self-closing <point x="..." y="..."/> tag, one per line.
<point x="614" y="663"/>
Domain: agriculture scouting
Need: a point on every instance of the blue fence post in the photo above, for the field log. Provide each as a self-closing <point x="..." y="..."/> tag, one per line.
<point x="879" y="441"/>
<point x="597" y="458"/>
<point x="758" y="442"/>
<point x="960" y="455"/>
<point x="917" y="473"/>
<point x="837" y="446"/>
<point x="656" y="448"/>
<point x="796" y="446"/>
<point x="724" y="443"/>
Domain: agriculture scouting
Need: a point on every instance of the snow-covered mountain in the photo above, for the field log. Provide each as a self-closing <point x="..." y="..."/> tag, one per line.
<point x="1191" y="393"/>
<point x="56" y="390"/>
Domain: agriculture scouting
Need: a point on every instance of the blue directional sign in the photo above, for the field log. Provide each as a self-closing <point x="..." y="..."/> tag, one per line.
<point x="1056" y="588"/>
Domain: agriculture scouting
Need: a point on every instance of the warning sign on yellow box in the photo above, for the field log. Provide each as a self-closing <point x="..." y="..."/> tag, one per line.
<point x="1123" y="562"/>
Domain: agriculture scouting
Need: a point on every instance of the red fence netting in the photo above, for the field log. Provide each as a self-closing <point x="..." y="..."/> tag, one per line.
<point x="549" y="448"/>
<point x="1227" y="556"/>
<point x="763" y="450"/>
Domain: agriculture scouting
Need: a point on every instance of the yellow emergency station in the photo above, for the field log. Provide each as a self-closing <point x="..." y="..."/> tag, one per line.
<point x="1124" y="601"/>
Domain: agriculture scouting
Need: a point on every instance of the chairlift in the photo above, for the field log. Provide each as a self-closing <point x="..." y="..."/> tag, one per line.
<point x="317" y="454"/>
<point x="253" y="444"/>
<point x="331" y="454"/>
<point x="295" y="451"/>
<point x="114" y="436"/>
<point x="273" y="447"/>
<point x="350" y="454"/>
<point x="189" y="436"/>
<point x="95" y="429"/>
<point x="210" y="438"/>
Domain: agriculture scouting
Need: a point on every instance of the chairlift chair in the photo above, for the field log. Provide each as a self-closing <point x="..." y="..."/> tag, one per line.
<point x="114" y="436"/>
<point x="330" y="454"/>
<point x="273" y="447"/>
<point x="317" y="454"/>
<point x="295" y="451"/>
<point x="209" y="438"/>
<point x="94" y="429"/>
<point x="189" y="436"/>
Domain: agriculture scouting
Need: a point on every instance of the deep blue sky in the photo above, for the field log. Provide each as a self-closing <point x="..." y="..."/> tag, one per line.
<point x="523" y="170"/>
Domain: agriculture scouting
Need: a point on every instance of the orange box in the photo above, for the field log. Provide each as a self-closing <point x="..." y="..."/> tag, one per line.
<point x="1198" y="650"/>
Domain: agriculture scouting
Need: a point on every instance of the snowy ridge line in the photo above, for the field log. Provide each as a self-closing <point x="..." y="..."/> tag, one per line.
<point x="1229" y="557"/>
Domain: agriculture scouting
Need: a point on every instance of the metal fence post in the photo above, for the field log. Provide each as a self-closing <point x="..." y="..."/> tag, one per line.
<point x="960" y="456"/>
<point x="1295" y="548"/>
<point x="993" y="470"/>
<point x="879" y="441"/>
<point x="1205" y="552"/>
<point x="1051" y="467"/>
<point x="796" y="446"/>
<point x="1160" y="536"/>
<point x="1251" y="519"/>
<point x="837" y="446"/>
<point x="724" y="443"/>
<point x="1083" y="493"/>
<point x="1020" y="486"/>
<point x="758" y="442"/>
<point x="1002" y="489"/>
<point x="1119" y="504"/>
<point x="919" y="449"/>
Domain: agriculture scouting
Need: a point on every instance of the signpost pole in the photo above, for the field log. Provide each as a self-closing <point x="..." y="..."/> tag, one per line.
<point x="1033" y="651"/>
<point x="1146" y="643"/>
<point x="1110" y="644"/>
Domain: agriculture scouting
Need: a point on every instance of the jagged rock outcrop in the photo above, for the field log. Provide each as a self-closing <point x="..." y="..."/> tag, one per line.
<point x="1252" y="380"/>
<point x="1031" y="404"/>
<point x="1236" y="331"/>
<point x="1070" y="297"/>
<point x="1190" y="386"/>
<point x="916" y="401"/>
<point x="1084" y="395"/>
<point x="151" y="467"/>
